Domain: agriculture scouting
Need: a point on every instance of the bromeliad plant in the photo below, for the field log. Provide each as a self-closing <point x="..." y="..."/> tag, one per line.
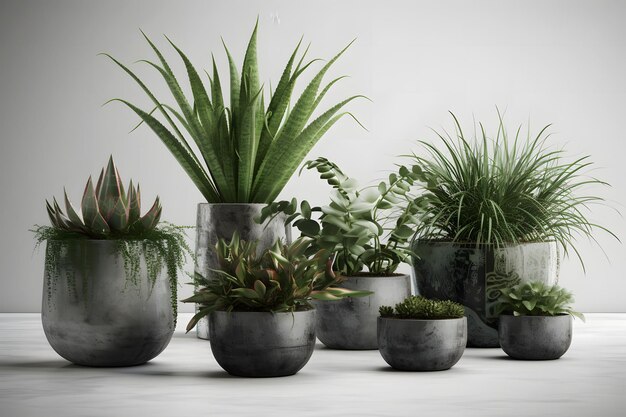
<point x="368" y="229"/>
<point x="247" y="150"/>
<point x="420" y="308"/>
<point x="504" y="190"/>
<point x="111" y="213"/>
<point x="283" y="278"/>
<point x="537" y="299"/>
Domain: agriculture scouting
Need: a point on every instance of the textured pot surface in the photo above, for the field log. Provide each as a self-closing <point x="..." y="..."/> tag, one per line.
<point x="93" y="315"/>
<point x="220" y="221"/>
<point x="474" y="276"/>
<point x="262" y="344"/>
<point x="535" y="337"/>
<point x="422" y="345"/>
<point x="350" y="323"/>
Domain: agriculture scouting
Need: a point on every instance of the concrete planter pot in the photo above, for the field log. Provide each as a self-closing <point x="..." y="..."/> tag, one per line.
<point x="350" y="323"/>
<point x="93" y="315"/>
<point x="422" y="345"/>
<point x="535" y="337"/>
<point x="262" y="344"/>
<point x="473" y="276"/>
<point x="220" y="221"/>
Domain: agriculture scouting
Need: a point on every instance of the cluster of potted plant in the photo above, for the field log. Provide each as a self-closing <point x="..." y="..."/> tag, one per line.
<point x="483" y="221"/>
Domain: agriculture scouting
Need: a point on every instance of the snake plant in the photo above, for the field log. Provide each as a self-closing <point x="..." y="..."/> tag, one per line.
<point x="246" y="150"/>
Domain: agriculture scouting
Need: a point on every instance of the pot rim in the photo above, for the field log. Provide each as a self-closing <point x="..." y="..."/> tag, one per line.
<point x="90" y="240"/>
<point x="421" y="320"/>
<point x="532" y="317"/>
<point x="395" y="275"/>
<point x="309" y="310"/>
<point x="231" y="204"/>
<point x="479" y="244"/>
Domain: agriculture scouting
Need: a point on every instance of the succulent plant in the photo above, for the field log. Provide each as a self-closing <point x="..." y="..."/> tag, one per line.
<point x="107" y="210"/>
<point x="535" y="298"/>
<point x="283" y="278"/>
<point x="418" y="307"/>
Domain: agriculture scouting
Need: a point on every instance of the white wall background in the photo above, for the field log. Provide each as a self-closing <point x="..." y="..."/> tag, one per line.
<point x="560" y="62"/>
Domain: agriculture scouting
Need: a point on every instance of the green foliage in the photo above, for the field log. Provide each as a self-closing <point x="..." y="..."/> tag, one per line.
<point x="417" y="307"/>
<point x="107" y="210"/>
<point x="247" y="151"/>
<point x="283" y="278"/>
<point x="367" y="228"/>
<point x="164" y="246"/>
<point x="502" y="191"/>
<point x="537" y="299"/>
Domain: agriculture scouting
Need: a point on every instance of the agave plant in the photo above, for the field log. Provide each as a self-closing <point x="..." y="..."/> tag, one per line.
<point x="107" y="210"/>
<point x="247" y="150"/>
<point x="535" y="298"/>
<point x="283" y="278"/>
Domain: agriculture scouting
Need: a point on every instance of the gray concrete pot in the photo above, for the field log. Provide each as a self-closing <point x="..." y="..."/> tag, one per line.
<point x="473" y="276"/>
<point x="93" y="315"/>
<point x="220" y="221"/>
<point x="262" y="344"/>
<point x="535" y="337"/>
<point x="422" y="345"/>
<point x="350" y="323"/>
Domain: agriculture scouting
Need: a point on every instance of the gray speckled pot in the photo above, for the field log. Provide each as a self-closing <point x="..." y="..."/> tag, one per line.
<point x="473" y="276"/>
<point x="262" y="344"/>
<point x="220" y="221"/>
<point x="422" y="345"/>
<point x="93" y="315"/>
<point x="535" y="337"/>
<point x="350" y="323"/>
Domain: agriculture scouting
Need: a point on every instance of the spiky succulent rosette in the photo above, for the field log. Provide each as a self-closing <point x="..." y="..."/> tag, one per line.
<point x="107" y="210"/>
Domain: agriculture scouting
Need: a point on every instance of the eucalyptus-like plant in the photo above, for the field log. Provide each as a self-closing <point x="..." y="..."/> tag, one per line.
<point x="368" y="228"/>
<point x="283" y="278"/>
<point x="537" y="299"/>
<point x="247" y="150"/>
<point x="420" y="308"/>
<point x="504" y="190"/>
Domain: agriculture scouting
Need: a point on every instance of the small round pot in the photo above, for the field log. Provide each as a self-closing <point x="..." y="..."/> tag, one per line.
<point x="535" y="337"/>
<point x="220" y="221"/>
<point x="262" y="344"/>
<point x="422" y="345"/>
<point x="93" y="315"/>
<point x="350" y="323"/>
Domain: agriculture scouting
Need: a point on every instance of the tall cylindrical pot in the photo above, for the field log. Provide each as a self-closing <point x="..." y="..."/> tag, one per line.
<point x="350" y="323"/>
<point x="262" y="344"/>
<point x="94" y="313"/>
<point x="474" y="276"/>
<point x="220" y="221"/>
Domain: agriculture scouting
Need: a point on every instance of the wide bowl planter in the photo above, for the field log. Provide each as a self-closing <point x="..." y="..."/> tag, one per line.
<point x="262" y="344"/>
<point x="220" y="221"/>
<point x="422" y="345"/>
<point x="474" y="275"/>
<point x="94" y="314"/>
<point x="535" y="337"/>
<point x="350" y="323"/>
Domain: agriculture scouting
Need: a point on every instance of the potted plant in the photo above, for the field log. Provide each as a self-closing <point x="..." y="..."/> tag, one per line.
<point x="422" y="334"/>
<point x="494" y="212"/>
<point x="536" y="321"/>
<point x="261" y="323"/>
<point x="110" y="276"/>
<point x="246" y="150"/>
<point x="369" y="231"/>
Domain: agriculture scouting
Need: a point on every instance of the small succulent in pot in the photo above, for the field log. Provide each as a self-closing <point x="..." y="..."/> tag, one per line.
<point x="369" y="229"/>
<point x="536" y="321"/>
<point x="420" y="334"/>
<point x="261" y="322"/>
<point x="113" y="254"/>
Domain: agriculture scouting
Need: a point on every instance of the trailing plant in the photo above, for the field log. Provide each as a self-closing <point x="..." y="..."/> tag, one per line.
<point x="418" y="307"/>
<point x="537" y="299"/>
<point x="283" y="278"/>
<point x="108" y="212"/>
<point x="367" y="228"/>
<point x="247" y="151"/>
<point x="504" y="190"/>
